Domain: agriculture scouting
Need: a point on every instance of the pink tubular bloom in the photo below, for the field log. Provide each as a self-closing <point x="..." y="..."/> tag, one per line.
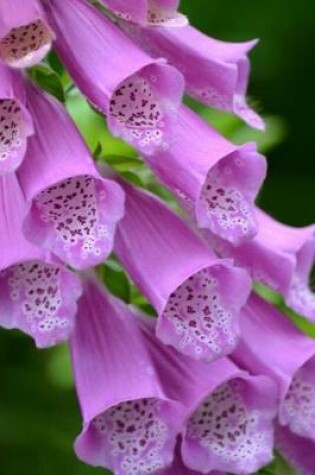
<point x="148" y="12"/>
<point x="229" y="419"/>
<point x="197" y="296"/>
<point x="298" y="451"/>
<point x="230" y="427"/>
<point x="73" y="211"/>
<point x="178" y="467"/>
<point x="272" y="345"/>
<point x="215" y="180"/>
<point x="140" y="96"/>
<point x="37" y="295"/>
<point x="15" y="121"/>
<point x="25" y="35"/>
<point x="280" y="257"/>
<point x="130" y="424"/>
<point x="216" y="72"/>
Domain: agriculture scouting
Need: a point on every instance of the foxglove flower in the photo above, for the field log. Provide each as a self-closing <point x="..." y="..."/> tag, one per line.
<point x="216" y="72"/>
<point x="217" y="182"/>
<point x="37" y="295"/>
<point x="298" y="451"/>
<point x="139" y="95"/>
<point x="148" y="12"/>
<point x="73" y="211"/>
<point x="280" y="257"/>
<point x="25" y="35"/>
<point x="178" y="468"/>
<point x="230" y="427"/>
<point x="130" y="425"/>
<point x="196" y="296"/>
<point x="229" y="413"/>
<point x="15" y="121"/>
<point x="272" y="345"/>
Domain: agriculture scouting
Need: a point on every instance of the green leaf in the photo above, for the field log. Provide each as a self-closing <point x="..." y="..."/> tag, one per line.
<point x="55" y="63"/>
<point x="279" y="466"/>
<point x="116" y="280"/>
<point x="123" y="163"/>
<point x="49" y="80"/>
<point x="91" y="125"/>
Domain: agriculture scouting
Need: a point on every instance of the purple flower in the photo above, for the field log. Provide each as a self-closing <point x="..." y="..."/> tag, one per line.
<point x="197" y="296"/>
<point x="73" y="211"/>
<point x="139" y="95"/>
<point x="15" y="121"/>
<point x="215" y="180"/>
<point x="178" y="467"/>
<point x="297" y="450"/>
<point x="272" y="345"/>
<point x="148" y="12"/>
<point x="25" y="35"/>
<point x="230" y="427"/>
<point x="229" y="413"/>
<point x="37" y="295"/>
<point x="130" y="424"/>
<point x="280" y="257"/>
<point x="216" y="72"/>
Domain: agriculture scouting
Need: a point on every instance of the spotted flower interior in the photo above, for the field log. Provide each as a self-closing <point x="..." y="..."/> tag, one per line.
<point x="40" y="299"/>
<point x="160" y="13"/>
<point x="298" y="409"/>
<point x="226" y="200"/>
<point x="134" y="437"/>
<point x="197" y="319"/>
<point x="142" y="108"/>
<point x="73" y="220"/>
<point x="12" y="135"/>
<point x="229" y="431"/>
<point x="26" y="45"/>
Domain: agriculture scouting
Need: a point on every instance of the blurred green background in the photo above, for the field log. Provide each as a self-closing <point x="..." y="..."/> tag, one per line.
<point x="39" y="417"/>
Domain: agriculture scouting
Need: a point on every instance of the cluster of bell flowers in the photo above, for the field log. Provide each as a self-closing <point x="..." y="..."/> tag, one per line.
<point x="220" y="378"/>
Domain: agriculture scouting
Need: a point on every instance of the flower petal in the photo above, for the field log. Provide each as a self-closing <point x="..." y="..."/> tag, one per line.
<point x="15" y="121"/>
<point x="130" y="425"/>
<point x="216" y="72"/>
<point x="231" y="429"/>
<point x="140" y="96"/>
<point x="182" y="279"/>
<point x="73" y="211"/>
<point x="215" y="181"/>
<point x="25" y="35"/>
<point x="37" y="295"/>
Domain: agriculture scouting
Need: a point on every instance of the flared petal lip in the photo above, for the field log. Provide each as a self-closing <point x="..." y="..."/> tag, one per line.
<point x="212" y="263"/>
<point x="23" y="252"/>
<point x="249" y="147"/>
<point x="234" y="373"/>
<point x="34" y="58"/>
<point x="140" y="395"/>
<point x="116" y="211"/>
<point x="79" y="444"/>
<point x="28" y="254"/>
<point x="285" y="383"/>
<point x="245" y="376"/>
<point x="237" y="373"/>
<point x="41" y="16"/>
<point x="27" y="118"/>
<point x="147" y="63"/>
